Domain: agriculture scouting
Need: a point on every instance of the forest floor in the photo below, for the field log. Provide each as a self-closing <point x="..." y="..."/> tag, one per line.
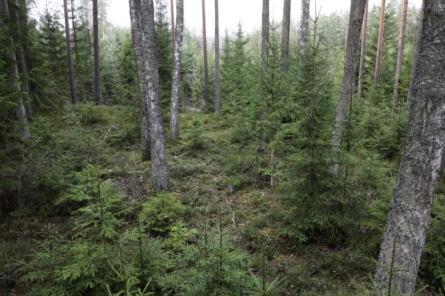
<point x="214" y="177"/>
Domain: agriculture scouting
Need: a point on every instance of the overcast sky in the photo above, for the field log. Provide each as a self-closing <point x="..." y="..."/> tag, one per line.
<point x="232" y="12"/>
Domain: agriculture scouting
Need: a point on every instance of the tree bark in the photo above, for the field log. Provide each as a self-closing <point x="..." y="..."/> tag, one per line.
<point x="69" y="54"/>
<point x="351" y="56"/>
<point x="285" y="32"/>
<point x="217" y="62"/>
<point x="20" y="54"/>
<point x="172" y="20"/>
<point x="264" y="62"/>
<point x="421" y="163"/>
<point x="97" y="95"/>
<point x="138" y="46"/>
<point x="174" y="112"/>
<point x="78" y="86"/>
<point x="143" y="24"/>
<point x="400" y="54"/>
<point x="304" y="22"/>
<point x="24" y="132"/>
<point x="205" y="98"/>
<point x="380" y="43"/>
<point x="363" y="48"/>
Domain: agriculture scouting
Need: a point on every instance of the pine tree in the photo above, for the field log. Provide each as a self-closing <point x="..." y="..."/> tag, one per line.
<point x="316" y="207"/>
<point x="164" y="52"/>
<point x="50" y="70"/>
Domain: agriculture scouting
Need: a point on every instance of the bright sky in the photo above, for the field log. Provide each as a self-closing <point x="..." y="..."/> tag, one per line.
<point x="232" y="12"/>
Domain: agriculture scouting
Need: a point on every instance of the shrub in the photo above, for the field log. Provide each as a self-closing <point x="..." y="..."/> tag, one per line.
<point x="161" y="213"/>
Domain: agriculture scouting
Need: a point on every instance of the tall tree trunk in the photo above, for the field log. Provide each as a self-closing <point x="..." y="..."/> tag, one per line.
<point x="24" y="132"/>
<point x="205" y="98"/>
<point x="174" y="112"/>
<point x="143" y="24"/>
<point x="401" y="49"/>
<point x="351" y="58"/>
<point x="421" y="164"/>
<point x="217" y="62"/>
<point x="380" y="43"/>
<point x="69" y="54"/>
<point x="138" y="46"/>
<point x="264" y="62"/>
<point x="363" y="48"/>
<point x="22" y="66"/>
<point x="304" y="22"/>
<point x="76" y="50"/>
<point x="97" y="95"/>
<point x="172" y="21"/>
<point x="285" y="32"/>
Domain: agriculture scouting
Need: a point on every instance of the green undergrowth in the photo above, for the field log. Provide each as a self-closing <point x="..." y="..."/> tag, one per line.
<point x="91" y="223"/>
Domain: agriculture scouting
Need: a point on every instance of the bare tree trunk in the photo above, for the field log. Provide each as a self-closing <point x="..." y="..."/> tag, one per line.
<point x="363" y="48"/>
<point x="137" y="36"/>
<point x="97" y="95"/>
<point x="416" y="48"/>
<point x="174" y="112"/>
<point x="76" y="50"/>
<point x="142" y="13"/>
<point x="351" y="58"/>
<point x="304" y="22"/>
<point x="69" y="54"/>
<point x="205" y="98"/>
<point x="264" y="61"/>
<point x="421" y="164"/>
<point x="217" y="62"/>
<point x="24" y="132"/>
<point x="23" y="68"/>
<point x="380" y="43"/>
<point x="285" y="32"/>
<point x="172" y="20"/>
<point x="401" y="49"/>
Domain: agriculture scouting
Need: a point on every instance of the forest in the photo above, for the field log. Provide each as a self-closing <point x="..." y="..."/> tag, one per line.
<point x="304" y="157"/>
